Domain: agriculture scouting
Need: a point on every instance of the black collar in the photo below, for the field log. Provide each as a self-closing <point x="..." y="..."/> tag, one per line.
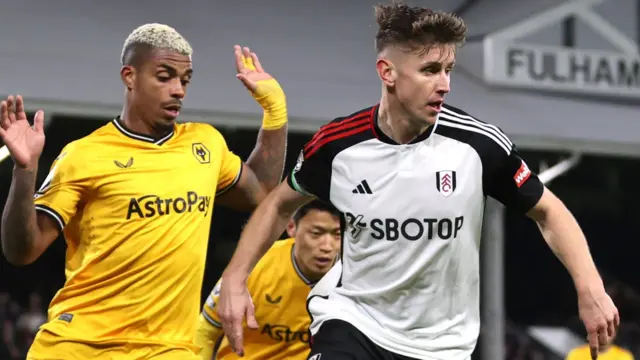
<point x="117" y="122"/>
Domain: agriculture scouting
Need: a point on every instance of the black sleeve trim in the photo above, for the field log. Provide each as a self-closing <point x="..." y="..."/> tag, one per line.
<point x="53" y="214"/>
<point x="234" y="183"/>
<point x="533" y="188"/>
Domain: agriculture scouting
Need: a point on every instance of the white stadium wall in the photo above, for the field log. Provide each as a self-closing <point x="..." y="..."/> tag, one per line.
<point x="64" y="55"/>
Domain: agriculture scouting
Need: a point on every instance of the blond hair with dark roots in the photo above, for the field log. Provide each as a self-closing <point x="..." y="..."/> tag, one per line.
<point x="414" y="28"/>
<point x="155" y="36"/>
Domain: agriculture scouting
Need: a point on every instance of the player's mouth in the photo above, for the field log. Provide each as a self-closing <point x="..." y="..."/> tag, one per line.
<point x="435" y="105"/>
<point x="323" y="261"/>
<point x="172" y="111"/>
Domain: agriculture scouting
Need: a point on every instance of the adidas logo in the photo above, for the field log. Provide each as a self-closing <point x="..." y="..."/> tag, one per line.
<point x="362" y="188"/>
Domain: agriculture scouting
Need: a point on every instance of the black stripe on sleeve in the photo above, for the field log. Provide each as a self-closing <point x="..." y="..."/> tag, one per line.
<point x="53" y="214"/>
<point x="234" y="183"/>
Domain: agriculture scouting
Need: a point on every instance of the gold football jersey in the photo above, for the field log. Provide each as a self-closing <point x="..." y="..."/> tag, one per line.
<point x="614" y="353"/>
<point x="279" y="291"/>
<point x="136" y="213"/>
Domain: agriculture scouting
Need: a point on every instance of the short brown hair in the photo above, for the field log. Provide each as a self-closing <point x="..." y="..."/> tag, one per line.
<point x="416" y="27"/>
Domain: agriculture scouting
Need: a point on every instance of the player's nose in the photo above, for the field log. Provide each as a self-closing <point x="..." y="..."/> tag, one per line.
<point x="327" y="244"/>
<point x="443" y="86"/>
<point x="177" y="90"/>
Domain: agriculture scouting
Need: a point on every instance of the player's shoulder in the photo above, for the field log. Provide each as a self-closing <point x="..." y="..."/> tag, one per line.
<point x="622" y="352"/>
<point x="203" y="133"/>
<point x="274" y="264"/>
<point x="196" y="129"/>
<point x="359" y="116"/>
<point x="343" y="132"/>
<point x="282" y="246"/>
<point x="86" y="147"/>
<point x="280" y="250"/>
<point x="459" y="125"/>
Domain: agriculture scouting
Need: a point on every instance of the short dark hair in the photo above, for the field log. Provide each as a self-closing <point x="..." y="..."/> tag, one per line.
<point x="314" y="205"/>
<point x="416" y="27"/>
<point x="136" y="54"/>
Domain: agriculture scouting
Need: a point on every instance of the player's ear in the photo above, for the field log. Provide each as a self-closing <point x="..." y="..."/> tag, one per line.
<point x="128" y="75"/>
<point x="386" y="71"/>
<point x="291" y="228"/>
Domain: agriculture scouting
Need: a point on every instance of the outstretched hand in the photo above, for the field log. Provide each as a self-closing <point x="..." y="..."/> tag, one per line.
<point x="263" y="87"/>
<point x="25" y="142"/>
<point x="250" y="71"/>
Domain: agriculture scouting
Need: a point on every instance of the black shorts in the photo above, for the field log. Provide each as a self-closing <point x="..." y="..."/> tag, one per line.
<point x="339" y="340"/>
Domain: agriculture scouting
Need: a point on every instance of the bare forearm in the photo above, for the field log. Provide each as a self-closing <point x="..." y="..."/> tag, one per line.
<point x="267" y="158"/>
<point x="263" y="229"/>
<point x="19" y="226"/>
<point x="565" y="238"/>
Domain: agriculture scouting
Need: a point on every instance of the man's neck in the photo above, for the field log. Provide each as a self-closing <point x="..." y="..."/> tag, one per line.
<point x="303" y="269"/>
<point x="135" y="123"/>
<point x="394" y="121"/>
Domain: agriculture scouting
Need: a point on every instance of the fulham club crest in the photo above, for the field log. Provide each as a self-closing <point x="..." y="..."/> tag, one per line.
<point x="446" y="182"/>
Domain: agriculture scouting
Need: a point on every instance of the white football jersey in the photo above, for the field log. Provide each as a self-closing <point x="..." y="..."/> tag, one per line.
<point x="412" y="216"/>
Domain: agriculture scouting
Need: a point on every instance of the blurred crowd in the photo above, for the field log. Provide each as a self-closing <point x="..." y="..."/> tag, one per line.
<point x="521" y="346"/>
<point x="627" y="300"/>
<point x="20" y="322"/>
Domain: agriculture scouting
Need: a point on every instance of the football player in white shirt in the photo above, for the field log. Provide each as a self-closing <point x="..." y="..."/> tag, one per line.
<point x="410" y="175"/>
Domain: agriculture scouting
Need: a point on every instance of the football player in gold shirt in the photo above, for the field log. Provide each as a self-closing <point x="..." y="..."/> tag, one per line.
<point x="279" y="285"/>
<point x="608" y="352"/>
<point x="612" y="352"/>
<point x="134" y="201"/>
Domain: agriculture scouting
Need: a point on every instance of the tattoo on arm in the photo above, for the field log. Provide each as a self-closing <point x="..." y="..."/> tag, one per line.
<point x="19" y="224"/>
<point x="267" y="158"/>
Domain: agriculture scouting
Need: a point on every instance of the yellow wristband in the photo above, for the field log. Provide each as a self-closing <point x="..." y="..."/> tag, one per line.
<point x="275" y="118"/>
<point x="271" y="97"/>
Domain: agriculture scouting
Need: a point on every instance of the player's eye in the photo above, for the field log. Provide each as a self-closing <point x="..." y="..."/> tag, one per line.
<point x="431" y="69"/>
<point x="164" y="77"/>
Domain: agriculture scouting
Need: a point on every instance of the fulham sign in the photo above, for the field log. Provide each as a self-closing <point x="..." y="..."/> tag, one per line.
<point x="597" y="72"/>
